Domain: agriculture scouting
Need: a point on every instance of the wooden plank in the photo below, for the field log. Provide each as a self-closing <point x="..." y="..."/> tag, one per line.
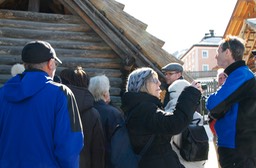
<point x="114" y="91"/>
<point x="108" y="72"/>
<point x="49" y="34"/>
<point x="16" y="50"/>
<point x="108" y="32"/>
<point x="10" y="60"/>
<point x="111" y="73"/>
<point x="114" y="83"/>
<point x="44" y="25"/>
<point x="70" y="61"/>
<point x="5" y="77"/>
<point x="150" y="45"/>
<point x="80" y="46"/>
<point x="40" y="17"/>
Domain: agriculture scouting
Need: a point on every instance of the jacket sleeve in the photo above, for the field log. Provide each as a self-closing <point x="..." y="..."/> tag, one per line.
<point x="162" y="122"/>
<point x="232" y="91"/>
<point x="68" y="135"/>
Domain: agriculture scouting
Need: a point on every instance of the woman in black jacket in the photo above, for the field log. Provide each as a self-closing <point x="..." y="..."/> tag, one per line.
<point x="93" y="153"/>
<point x="142" y="98"/>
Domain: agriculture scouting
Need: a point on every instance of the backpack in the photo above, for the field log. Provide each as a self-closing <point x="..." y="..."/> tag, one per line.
<point x="194" y="144"/>
<point x="122" y="154"/>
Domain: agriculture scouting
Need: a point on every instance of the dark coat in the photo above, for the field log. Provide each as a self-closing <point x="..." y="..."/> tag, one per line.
<point x="147" y="118"/>
<point x="110" y="118"/>
<point x="93" y="153"/>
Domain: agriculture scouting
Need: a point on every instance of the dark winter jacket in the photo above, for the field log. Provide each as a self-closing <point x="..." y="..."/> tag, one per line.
<point x="234" y="107"/>
<point x="39" y="123"/>
<point x="93" y="153"/>
<point x="110" y="117"/>
<point x="148" y="118"/>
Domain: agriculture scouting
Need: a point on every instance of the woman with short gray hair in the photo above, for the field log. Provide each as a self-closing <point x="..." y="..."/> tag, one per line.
<point x="141" y="102"/>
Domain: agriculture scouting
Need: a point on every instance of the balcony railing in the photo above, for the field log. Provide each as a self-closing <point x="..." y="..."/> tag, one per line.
<point x="201" y="74"/>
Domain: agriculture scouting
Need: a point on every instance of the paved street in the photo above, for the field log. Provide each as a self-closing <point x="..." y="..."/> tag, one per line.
<point x="212" y="159"/>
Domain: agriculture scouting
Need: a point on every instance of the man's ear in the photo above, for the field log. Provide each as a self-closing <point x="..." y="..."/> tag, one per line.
<point x="51" y="64"/>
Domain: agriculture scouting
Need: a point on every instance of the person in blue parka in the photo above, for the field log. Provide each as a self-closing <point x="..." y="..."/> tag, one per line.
<point x="39" y="120"/>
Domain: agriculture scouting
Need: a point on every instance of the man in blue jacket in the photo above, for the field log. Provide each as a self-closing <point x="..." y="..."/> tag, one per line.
<point x="39" y="121"/>
<point x="233" y="107"/>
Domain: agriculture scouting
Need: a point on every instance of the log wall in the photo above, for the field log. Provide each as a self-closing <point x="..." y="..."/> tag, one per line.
<point x="74" y="41"/>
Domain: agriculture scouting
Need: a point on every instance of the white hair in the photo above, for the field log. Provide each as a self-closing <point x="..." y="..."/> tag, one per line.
<point x="98" y="86"/>
<point x="17" y="69"/>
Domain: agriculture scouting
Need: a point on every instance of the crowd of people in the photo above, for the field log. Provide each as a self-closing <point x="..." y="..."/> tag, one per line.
<point x="68" y="120"/>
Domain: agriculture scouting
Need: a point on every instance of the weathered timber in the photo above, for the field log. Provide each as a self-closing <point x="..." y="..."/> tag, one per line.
<point x="78" y="45"/>
<point x="115" y="91"/>
<point x="108" y="32"/>
<point x="44" y="25"/>
<point x="16" y="50"/>
<point x="85" y="64"/>
<point x="48" y="34"/>
<point x="5" y="77"/>
<point x="9" y="59"/>
<point x="5" y="69"/>
<point x="120" y="49"/>
<point x="41" y="17"/>
<point x="113" y="75"/>
<point x="86" y="53"/>
<point x="71" y="61"/>
<point x="150" y="45"/>
<point x="116" y="101"/>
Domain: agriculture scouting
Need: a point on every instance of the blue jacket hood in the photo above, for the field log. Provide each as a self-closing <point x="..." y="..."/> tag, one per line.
<point x="25" y="85"/>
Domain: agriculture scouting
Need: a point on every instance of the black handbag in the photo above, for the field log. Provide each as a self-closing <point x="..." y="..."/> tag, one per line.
<point x="194" y="143"/>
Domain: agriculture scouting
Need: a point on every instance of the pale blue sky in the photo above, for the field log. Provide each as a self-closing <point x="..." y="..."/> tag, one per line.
<point x="180" y="24"/>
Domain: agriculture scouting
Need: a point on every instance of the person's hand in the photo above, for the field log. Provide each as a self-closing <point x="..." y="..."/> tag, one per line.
<point x="197" y="85"/>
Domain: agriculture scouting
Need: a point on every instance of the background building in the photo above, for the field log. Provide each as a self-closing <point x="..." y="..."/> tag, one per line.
<point x="199" y="60"/>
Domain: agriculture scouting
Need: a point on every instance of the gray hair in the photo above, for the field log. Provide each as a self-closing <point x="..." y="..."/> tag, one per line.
<point x="98" y="86"/>
<point x="35" y="66"/>
<point x="138" y="78"/>
<point x="17" y="69"/>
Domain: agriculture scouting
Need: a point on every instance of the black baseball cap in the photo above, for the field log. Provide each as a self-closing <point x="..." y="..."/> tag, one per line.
<point x="37" y="52"/>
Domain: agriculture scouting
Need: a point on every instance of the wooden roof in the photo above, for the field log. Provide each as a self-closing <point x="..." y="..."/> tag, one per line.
<point x="126" y="35"/>
<point x="240" y="24"/>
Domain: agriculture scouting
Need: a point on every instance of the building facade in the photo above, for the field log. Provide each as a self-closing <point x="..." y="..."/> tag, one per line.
<point x="201" y="56"/>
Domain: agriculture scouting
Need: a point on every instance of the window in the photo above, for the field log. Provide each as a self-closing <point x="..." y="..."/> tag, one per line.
<point x="204" y="53"/>
<point x="205" y="67"/>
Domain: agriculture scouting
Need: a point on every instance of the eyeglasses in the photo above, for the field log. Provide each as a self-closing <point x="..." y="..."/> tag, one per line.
<point x="170" y="73"/>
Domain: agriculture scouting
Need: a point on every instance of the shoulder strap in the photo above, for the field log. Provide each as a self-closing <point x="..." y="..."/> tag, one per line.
<point x="198" y="120"/>
<point x="145" y="148"/>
